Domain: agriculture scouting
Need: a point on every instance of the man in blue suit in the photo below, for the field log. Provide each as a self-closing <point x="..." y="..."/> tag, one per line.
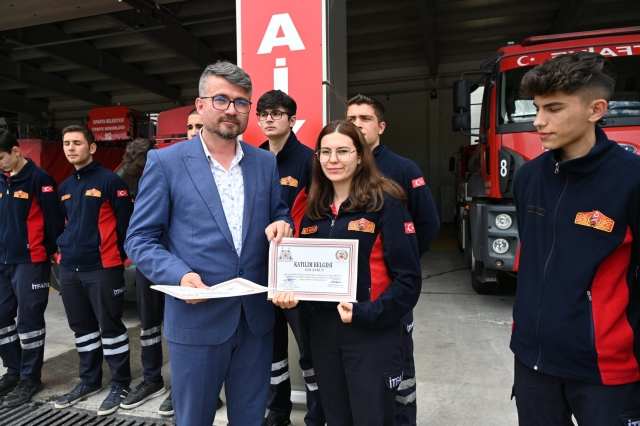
<point x="214" y="198"/>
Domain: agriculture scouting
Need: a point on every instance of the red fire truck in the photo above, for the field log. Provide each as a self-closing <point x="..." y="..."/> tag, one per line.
<point x="485" y="213"/>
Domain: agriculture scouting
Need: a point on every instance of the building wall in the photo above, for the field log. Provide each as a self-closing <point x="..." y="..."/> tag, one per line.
<point x="419" y="128"/>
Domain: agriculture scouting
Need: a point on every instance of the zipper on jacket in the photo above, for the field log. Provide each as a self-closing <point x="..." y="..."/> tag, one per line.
<point x="546" y="264"/>
<point x="73" y="234"/>
<point x="591" y="325"/>
<point x="333" y="222"/>
<point x="6" y="254"/>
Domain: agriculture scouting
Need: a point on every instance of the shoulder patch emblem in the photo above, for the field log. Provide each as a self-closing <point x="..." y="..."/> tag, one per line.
<point x="93" y="193"/>
<point x="123" y="193"/>
<point x="289" y="181"/>
<point x="310" y="230"/>
<point x="418" y="182"/>
<point x="595" y="219"/>
<point x="362" y="225"/>
<point x="47" y="189"/>
<point x="21" y="194"/>
<point x="65" y="197"/>
<point x="409" y="228"/>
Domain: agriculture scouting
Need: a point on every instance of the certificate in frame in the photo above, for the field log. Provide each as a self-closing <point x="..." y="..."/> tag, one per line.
<point x="314" y="269"/>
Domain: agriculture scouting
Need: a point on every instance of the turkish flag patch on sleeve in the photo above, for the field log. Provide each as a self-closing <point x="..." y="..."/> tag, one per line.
<point x="123" y="193"/>
<point x="418" y="182"/>
<point x="409" y="228"/>
<point x="47" y="189"/>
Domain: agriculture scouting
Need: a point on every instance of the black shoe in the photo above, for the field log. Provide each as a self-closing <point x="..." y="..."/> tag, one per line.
<point x="113" y="400"/>
<point x="268" y="422"/>
<point x="23" y="392"/>
<point x="8" y="382"/>
<point x="79" y="393"/>
<point x="143" y="392"/>
<point x="219" y="404"/>
<point x="166" y="408"/>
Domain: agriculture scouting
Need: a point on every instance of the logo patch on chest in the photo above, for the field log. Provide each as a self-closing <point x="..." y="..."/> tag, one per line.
<point x="65" y="197"/>
<point x="93" y="193"/>
<point x="289" y="181"/>
<point x="310" y="230"/>
<point x="362" y="225"/>
<point x="21" y="194"/>
<point x="596" y="220"/>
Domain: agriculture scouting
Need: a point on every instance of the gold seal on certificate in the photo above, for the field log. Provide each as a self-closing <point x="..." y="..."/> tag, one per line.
<point x="314" y="269"/>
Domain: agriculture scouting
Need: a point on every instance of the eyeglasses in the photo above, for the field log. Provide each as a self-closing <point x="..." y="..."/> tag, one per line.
<point x="275" y="114"/>
<point x="342" y="154"/>
<point x="222" y="104"/>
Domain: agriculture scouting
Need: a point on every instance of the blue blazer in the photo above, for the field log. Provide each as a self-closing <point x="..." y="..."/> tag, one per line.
<point x="178" y="199"/>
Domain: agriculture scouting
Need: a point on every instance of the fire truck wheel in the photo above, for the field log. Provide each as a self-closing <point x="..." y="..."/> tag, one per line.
<point x="480" y="287"/>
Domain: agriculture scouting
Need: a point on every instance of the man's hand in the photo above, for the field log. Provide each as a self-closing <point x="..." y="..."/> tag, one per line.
<point x="286" y="300"/>
<point x="345" y="309"/>
<point x="191" y="279"/>
<point x="278" y="230"/>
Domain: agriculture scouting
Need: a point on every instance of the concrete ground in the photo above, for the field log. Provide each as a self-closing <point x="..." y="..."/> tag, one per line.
<point x="464" y="365"/>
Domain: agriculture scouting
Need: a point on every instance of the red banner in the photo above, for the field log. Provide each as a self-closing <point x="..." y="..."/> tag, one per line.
<point x="110" y="123"/>
<point x="280" y="45"/>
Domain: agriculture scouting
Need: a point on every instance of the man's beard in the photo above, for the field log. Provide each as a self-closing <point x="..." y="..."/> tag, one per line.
<point x="225" y="133"/>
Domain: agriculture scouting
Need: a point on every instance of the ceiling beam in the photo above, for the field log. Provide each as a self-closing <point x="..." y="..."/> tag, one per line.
<point x="33" y="77"/>
<point x="15" y="102"/>
<point x="85" y="55"/>
<point x="426" y="12"/>
<point x="474" y="14"/>
<point x="173" y="37"/>
<point x="379" y="8"/>
<point x="568" y="16"/>
<point x="534" y="29"/>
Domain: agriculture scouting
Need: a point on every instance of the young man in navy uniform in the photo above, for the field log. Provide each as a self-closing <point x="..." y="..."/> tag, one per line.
<point x="30" y="223"/>
<point x="276" y="112"/>
<point x="368" y="114"/>
<point x="576" y="331"/>
<point x="97" y="206"/>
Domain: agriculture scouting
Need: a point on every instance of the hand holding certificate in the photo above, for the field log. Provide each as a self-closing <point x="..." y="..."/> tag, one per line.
<point x="231" y="288"/>
<point x="314" y="269"/>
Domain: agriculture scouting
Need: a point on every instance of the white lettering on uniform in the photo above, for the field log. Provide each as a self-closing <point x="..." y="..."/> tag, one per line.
<point x="290" y="36"/>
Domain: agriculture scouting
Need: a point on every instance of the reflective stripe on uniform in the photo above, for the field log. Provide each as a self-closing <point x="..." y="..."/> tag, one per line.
<point x="278" y="365"/>
<point x="31" y="334"/>
<point x="150" y="331"/>
<point x="406" y="399"/>
<point x="9" y="339"/>
<point x="406" y="384"/>
<point x="150" y="342"/>
<point x="90" y="347"/>
<point x="118" y="339"/>
<point x="116" y="351"/>
<point x="312" y="386"/>
<point x="279" y="379"/>
<point x="309" y="372"/>
<point x="33" y="345"/>
<point x="87" y="337"/>
<point x="7" y="329"/>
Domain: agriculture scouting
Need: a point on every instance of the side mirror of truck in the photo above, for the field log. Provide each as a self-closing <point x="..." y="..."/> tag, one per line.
<point x="461" y="95"/>
<point x="461" y="122"/>
<point x="452" y="164"/>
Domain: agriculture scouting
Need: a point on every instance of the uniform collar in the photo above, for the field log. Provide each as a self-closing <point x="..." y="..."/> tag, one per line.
<point x="379" y="150"/>
<point x="289" y="146"/>
<point x="23" y="174"/>
<point x="603" y="148"/>
<point x="87" y="170"/>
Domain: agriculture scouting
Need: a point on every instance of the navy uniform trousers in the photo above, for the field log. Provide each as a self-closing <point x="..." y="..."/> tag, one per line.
<point x="279" y="402"/>
<point x="359" y="370"/>
<point x="94" y="301"/>
<point x="24" y="289"/>
<point x="151" y="311"/>
<point x="544" y="400"/>
<point x="406" y="405"/>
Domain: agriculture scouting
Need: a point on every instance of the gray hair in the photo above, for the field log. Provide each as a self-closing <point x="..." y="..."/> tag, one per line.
<point x="230" y="72"/>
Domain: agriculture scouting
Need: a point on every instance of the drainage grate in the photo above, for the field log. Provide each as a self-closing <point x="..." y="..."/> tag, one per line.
<point x="38" y="414"/>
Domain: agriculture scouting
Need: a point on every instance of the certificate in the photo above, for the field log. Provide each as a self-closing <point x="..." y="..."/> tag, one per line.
<point x="314" y="269"/>
<point x="231" y="288"/>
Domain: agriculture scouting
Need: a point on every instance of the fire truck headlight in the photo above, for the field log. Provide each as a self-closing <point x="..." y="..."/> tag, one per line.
<point x="500" y="245"/>
<point x="503" y="221"/>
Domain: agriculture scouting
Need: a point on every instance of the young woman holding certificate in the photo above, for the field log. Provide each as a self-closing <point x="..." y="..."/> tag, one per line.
<point x="356" y="347"/>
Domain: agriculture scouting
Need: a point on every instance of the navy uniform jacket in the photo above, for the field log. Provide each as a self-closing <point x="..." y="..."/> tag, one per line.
<point x="97" y="206"/>
<point x="30" y="216"/>
<point x="294" y="168"/>
<point x="419" y="200"/>
<point x="389" y="276"/>
<point x="577" y="307"/>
